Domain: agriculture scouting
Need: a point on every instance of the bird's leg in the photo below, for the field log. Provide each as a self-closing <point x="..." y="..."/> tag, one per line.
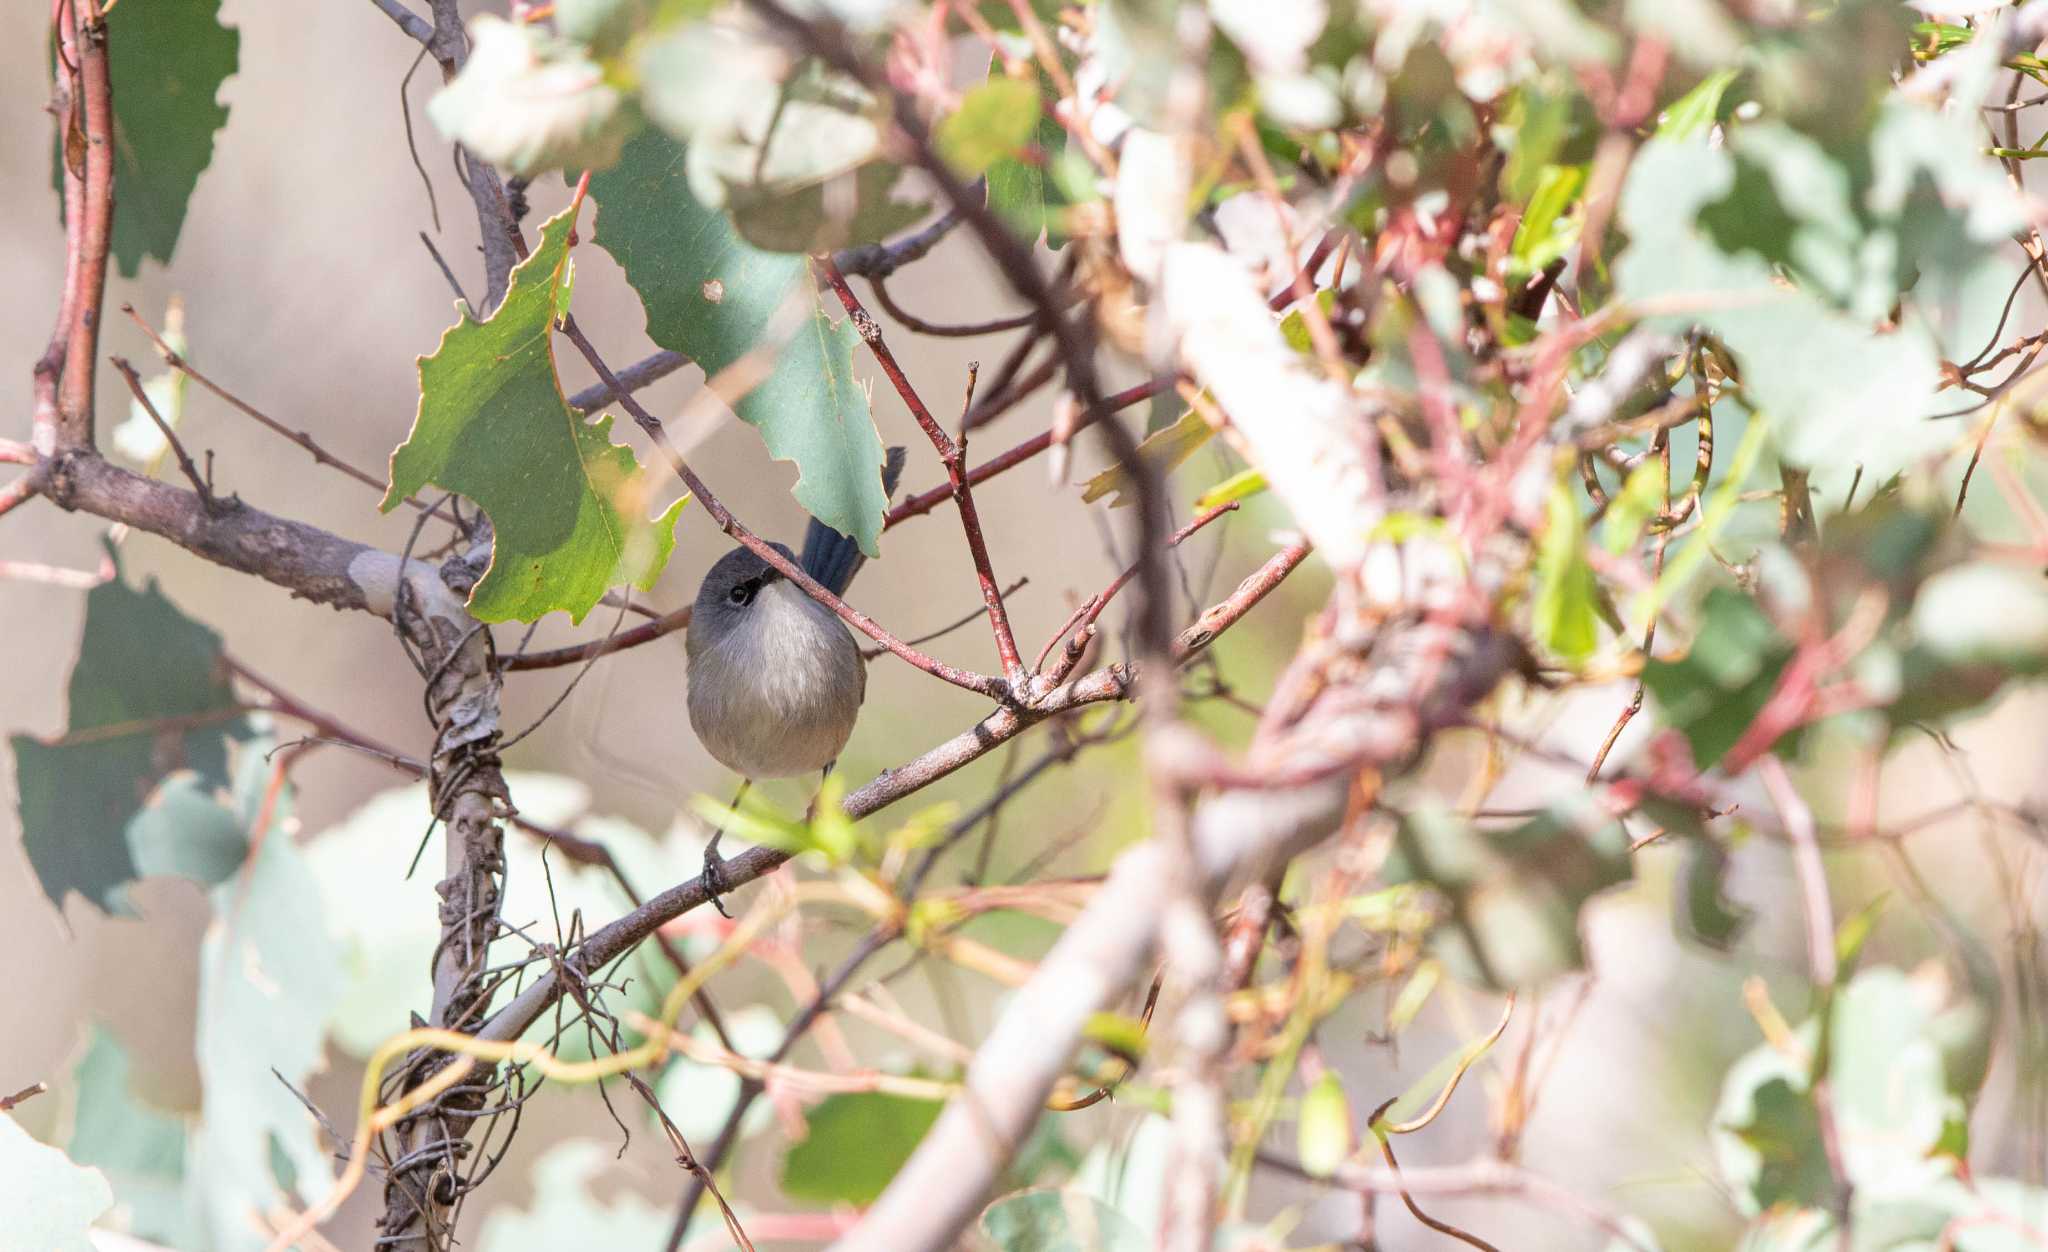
<point x="714" y="864"/>
<point x="811" y="810"/>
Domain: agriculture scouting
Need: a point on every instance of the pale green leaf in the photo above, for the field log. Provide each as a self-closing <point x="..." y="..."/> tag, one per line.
<point x="530" y="102"/>
<point x="1641" y="498"/>
<point x="1325" y="1126"/>
<point x="1057" y="1220"/>
<point x="1163" y="450"/>
<point x="49" y="1202"/>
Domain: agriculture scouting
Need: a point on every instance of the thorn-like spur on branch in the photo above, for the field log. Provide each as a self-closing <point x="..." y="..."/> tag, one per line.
<point x="994" y="688"/>
<point x="1113" y="683"/>
<point x="954" y="455"/>
<point x="1087" y="613"/>
<point x="185" y="465"/>
<point x="173" y="359"/>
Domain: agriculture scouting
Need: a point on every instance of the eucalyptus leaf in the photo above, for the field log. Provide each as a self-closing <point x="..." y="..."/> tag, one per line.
<point x="711" y="296"/>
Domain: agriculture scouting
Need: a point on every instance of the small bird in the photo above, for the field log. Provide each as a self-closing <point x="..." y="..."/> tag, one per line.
<point x="776" y="679"/>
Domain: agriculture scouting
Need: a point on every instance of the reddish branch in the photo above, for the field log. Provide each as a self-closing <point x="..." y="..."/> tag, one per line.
<point x="87" y="143"/>
<point x="954" y="455"/>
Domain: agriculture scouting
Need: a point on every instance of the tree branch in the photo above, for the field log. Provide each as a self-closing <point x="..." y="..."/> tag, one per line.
<point x="954" y="456"/>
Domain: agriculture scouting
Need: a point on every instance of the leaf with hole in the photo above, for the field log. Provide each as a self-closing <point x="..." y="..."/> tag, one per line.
<point x="713" y="297"/>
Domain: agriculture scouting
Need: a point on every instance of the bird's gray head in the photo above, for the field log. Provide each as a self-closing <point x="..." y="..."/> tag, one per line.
<point x="729" y="590"/>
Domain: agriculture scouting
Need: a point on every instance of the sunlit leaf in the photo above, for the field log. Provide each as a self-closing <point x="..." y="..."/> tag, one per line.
<point x="1239" y="486"/>
<point x="1163" y="450"/>
<point x="1693" y="114"/>
<point x="1565" y="615"/>
<point x="566" y="503"/>
<point x="993" y="123"/>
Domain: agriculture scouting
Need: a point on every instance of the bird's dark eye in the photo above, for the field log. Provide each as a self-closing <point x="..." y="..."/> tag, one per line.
<point x="741" y="595"/>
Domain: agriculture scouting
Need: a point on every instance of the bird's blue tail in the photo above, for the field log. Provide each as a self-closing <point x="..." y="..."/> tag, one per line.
<point x="832" y="558"/>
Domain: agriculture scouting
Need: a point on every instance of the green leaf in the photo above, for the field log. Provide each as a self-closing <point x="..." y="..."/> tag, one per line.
<point x="712" y="297"/>
<point x="565" y="502"/>
<point x="855" y="1146"/>
<point x="1239" y="486"/>
<point x="530" y="102"/>
<point x="1566" y="611"/>
<point x="603" y="26"/>
<point x="185" y="830"/>
<point x="993" y="123"/>
<point x="566" y="1212"/>
<point x="1548" y="228"/>
<point x="168" y="59"/>
<point x="1059" y="1220"/>
<point x="1513" y="895"/>
<point x="1294" y="326"/>
<point x="1641" y="498"/>
<point x="49" y="1201"/>
<point x="1693" y="114"/>
<point x="1717" y="688"/>
<point x="1325" y="1126"/>
<point x="148" y="695"/>
<point x="1164" y="450"/>
<point x="140" y="1150"/>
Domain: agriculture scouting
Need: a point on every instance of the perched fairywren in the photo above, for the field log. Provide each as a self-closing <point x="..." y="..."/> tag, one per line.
<point x="776" y="679"/>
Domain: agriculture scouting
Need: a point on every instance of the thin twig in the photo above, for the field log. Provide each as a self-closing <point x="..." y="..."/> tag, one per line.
<point x="200" y="486"/>
<point x="953" y="454"/>
<point x="176" y="360"/>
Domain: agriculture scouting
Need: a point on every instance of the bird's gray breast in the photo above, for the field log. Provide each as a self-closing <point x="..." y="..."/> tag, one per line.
<point x="776" y="695"/>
